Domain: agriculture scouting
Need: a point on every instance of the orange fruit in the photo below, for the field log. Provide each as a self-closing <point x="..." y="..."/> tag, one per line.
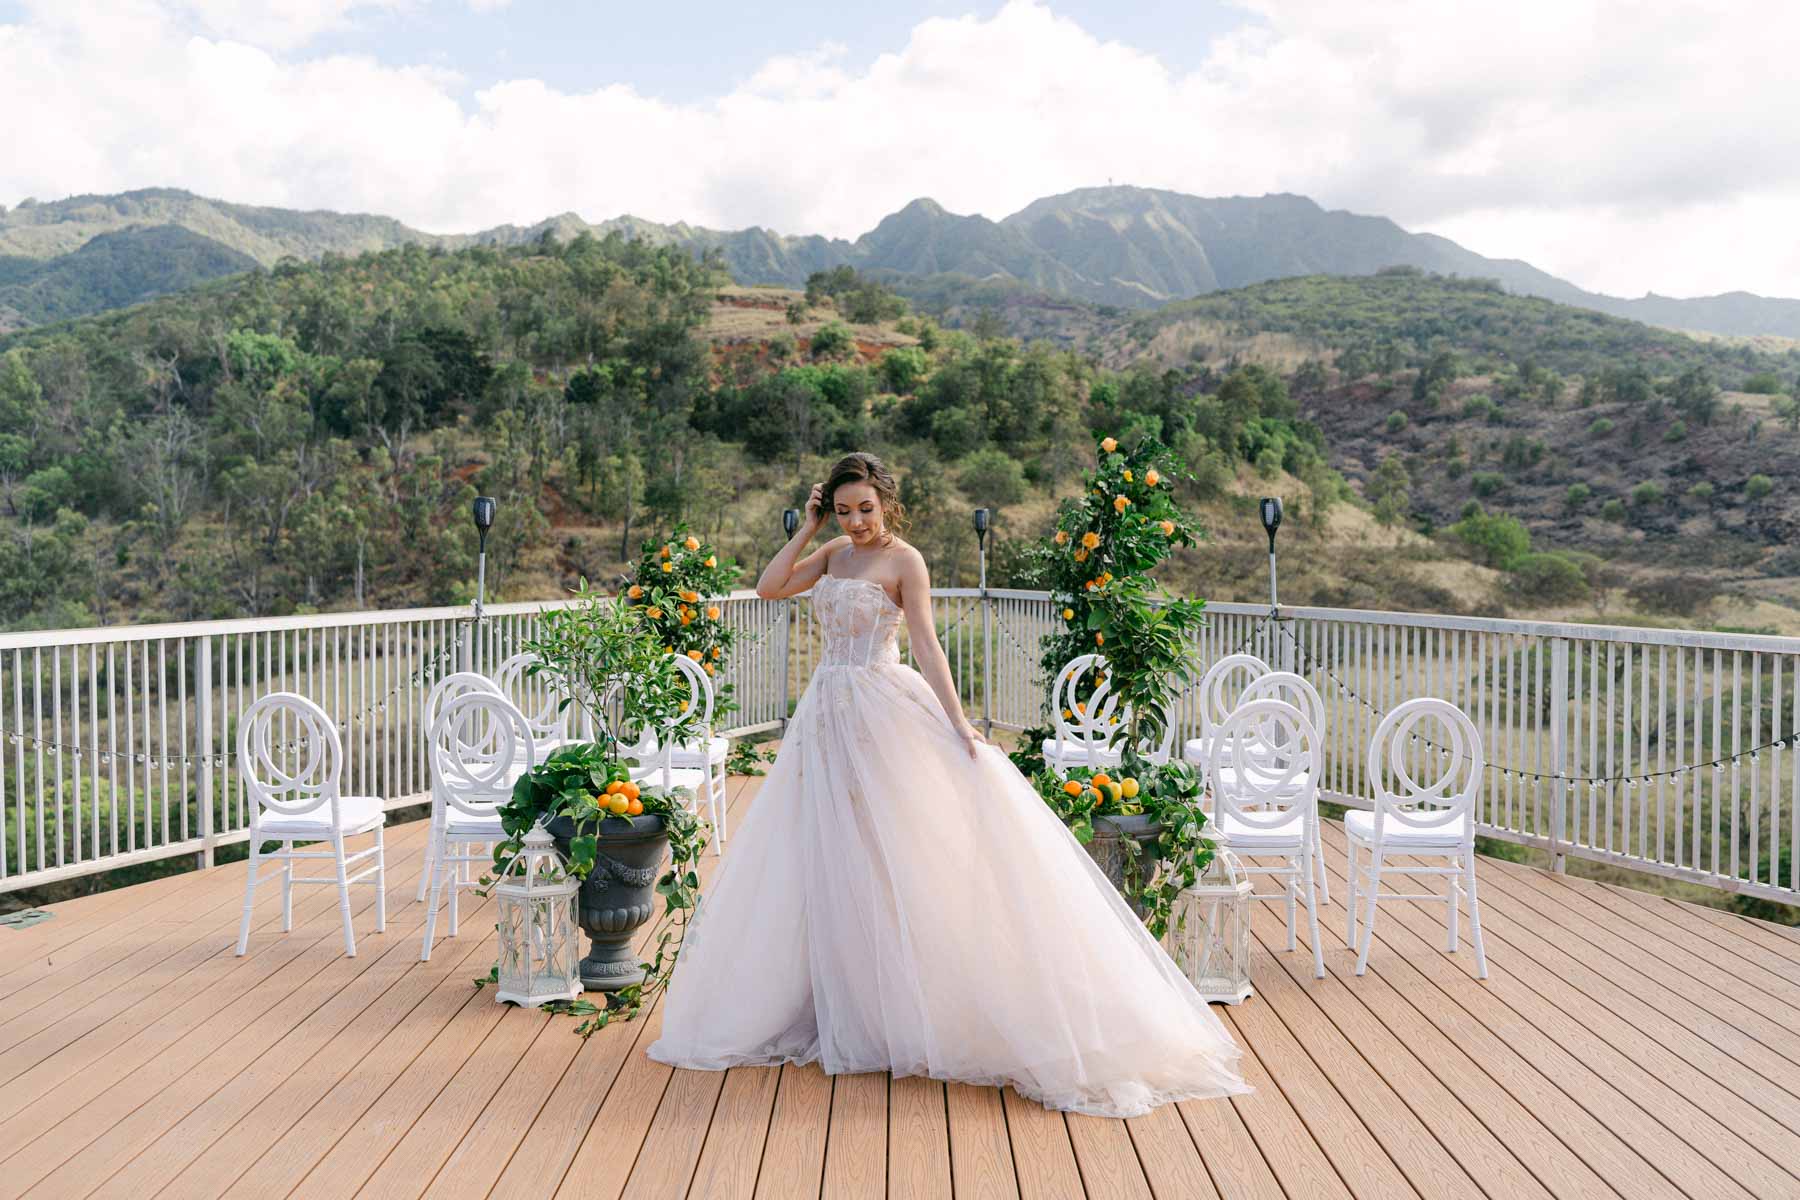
<point x="1067" y="715"/>
<point x="684" y="706"/>
<point x="665" y="550"/>
<point x="1102" y="779"/>
<point x="612" y="789"/>
<point x="1109" y="445"/>
<point x="691" y="597"/>
<point x="634" y="808"/>
<point x="694" y="654"/>
<point x="693" y="543"/>
<point x="712" y="612"/>
<point x="628" y="789"/>
<point x="715" y="652"/>
<point x="653" y="612"/>
<point x="1081" y="555"/>
<point x="1090" y="539"/>
<point x="1128" y="476"/>
<point x="712" y="560"/>
<point x="618" y="805"/>
<point x="1117" y="789"/>
<point x="1168" y="528"/>
<point x="687" y="618"/>
<point x="636" y="592"/>
<point x="1129" y="788"/>
<point x="1080" y="707"/>
<point x="1062" y="537"/>
<point x="1068" y="614"/>
<point x="1151" y="477"/>
<point x="1072" y="788"/>
<point x="1099" y="638"/>
<point x="1121" y="503"/>
<point x="668" y="567"/>
<point x="709" y="669"/>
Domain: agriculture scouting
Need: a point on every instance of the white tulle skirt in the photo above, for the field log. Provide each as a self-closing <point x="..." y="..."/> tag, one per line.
<point x="889" y="904"/>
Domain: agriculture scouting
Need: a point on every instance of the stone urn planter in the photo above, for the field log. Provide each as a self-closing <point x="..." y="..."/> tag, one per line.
<point x="618" y="896"/>
<point x="1116" y="839"/>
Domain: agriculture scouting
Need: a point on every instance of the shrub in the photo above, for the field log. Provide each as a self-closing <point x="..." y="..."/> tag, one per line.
<point x="1487" y="483"/>
<point x="1758" y="486"/>
<point x="1600" y="428"/>
<point x="992" y="478"/>
<point x="1684" y="595"/>
<point x="1702" y="491"/>
<point x="1577" y="495"/>
<point x="903" y="368"/>
<point x="1479" y="408"/>
<point x="1396" y="421"/>
<point x="1613" y="510"/>
<point x="1547" y="578"/>
<point x="833" y="340"/>
<point x="1646" y="494"/>
<point x="1763" y="383"/>
<point x="1268" y="462"/>
<point x="1676" y="432"/>
<point x="1495" y="540"/>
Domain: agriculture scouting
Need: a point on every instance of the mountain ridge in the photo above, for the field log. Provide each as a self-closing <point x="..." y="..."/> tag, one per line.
<point x="1125" y="246"/>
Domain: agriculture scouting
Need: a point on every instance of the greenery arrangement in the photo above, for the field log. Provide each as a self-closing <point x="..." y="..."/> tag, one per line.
<point x="675" y="587"/>
<point x="1170" y="796"/>
<point x="1105" y="544"/>
<point x="594" y="649"/>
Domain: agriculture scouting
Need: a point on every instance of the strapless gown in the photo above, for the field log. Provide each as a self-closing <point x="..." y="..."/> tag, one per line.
<point x="890" y="904"/>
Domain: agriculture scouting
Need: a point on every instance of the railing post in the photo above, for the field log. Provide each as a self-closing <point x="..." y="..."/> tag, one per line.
<point x="203" y="678"/>
<point x="1559" y="717"/>
<point x="787" y="630"/>
<point x="987" y="653"/>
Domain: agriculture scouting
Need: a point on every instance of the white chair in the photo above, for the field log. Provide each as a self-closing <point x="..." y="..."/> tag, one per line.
<point x="1419" y="820"/>
<point x="1297" y="691"/>
<point x="480" y="745"/>
<point x="705" y="751"/>
<point x="1084" y="728"/>
<point x="292" y="764"/>
<point x="455" y="684"/>
<point x="1263" y="813"/>
<point x="653" y="753"/>
<point x="540" y="701"/>
<point x="1234" y="671"/>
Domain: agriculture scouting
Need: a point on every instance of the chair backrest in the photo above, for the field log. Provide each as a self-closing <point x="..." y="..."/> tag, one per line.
<point x="1431" y="739"/>
<point x="700" y="693"/>
<point x="536" y="697"/>
<point x="480" y="745"/>
<point x="455" y="684"/>
<point x="1284" y="745"/>
<point x="1220" y="686"/>
<point x="1292" y="688"/>
<point x="290" y="757"/>
<point x="1090" y="722"/>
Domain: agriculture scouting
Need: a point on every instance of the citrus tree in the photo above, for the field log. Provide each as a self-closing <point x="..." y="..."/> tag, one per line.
<point x="676" y="587"/>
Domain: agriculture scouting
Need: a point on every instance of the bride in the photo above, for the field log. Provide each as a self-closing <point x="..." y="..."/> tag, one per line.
<point x="900" y="899"/>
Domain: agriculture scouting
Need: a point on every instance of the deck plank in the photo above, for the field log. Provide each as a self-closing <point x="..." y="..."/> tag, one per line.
<point x="732" y="1157"/>
<point x="1289" y="1149"/>
<point x="1232" y="1159"/>
<point x="1168" y="1156"/>
<point x="918" y="1140"/>
<point x="793" y="1163"/>
<point x="1043" y="1156"/>
<point x="1109" y="1163"/>
<point x="676" y="1135"/>
<point x="1440" y="1145"/>
<point x="856" y="1142"/>
<point x="981" y="1160"/>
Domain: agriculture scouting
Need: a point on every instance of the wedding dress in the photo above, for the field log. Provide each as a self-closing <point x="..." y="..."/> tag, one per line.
<point x="890" y="904"/>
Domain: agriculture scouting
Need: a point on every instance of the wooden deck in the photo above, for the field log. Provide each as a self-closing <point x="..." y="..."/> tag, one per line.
<point x="1623" y="1046"/>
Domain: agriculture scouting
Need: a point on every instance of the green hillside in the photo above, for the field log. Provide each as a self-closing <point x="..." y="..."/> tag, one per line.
<point x="111" y="271"/>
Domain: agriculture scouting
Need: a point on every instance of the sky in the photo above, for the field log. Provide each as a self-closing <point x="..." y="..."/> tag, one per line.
<point x="1625" y="145"/>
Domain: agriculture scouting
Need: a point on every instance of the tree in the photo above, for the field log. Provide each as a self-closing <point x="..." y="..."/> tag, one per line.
<point x="1389" y="490"/>
<point x="833" y="340"/>
<point x="1695" y="395"/>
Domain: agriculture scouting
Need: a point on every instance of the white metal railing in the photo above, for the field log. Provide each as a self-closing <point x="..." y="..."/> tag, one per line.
<point x="1657" y="750"/>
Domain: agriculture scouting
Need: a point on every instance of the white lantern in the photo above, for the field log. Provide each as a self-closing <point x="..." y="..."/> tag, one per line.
<point x="1209" y="931"/>
<point x="539" y="955"/>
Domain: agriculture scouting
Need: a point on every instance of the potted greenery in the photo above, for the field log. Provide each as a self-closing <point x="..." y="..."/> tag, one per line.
<point x="1096" y="566"/>
<point x="677" y="586"/>
<point x="613" y="832"/>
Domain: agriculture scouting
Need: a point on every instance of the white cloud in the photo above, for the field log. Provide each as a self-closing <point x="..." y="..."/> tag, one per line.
<point x="1627" y="146"/>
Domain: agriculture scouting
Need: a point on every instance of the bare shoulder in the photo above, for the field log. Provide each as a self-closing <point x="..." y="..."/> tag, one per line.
<point x="910" y="565"/>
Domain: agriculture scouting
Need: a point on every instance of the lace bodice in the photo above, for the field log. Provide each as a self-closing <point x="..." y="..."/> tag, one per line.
<point x="860" y="621"/>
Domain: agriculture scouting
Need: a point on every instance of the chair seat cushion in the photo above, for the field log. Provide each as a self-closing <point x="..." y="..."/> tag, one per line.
<point x="461" y="824"/>
<point x="1361" y="826"/>
<point x="689" y="754"/>
<point x="356" y="814"/>
<point x="1197" y="750"/>
<point x="691" y="778"/>
<point x="1074" y="754"/>
<point x="1286" y="835"/>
